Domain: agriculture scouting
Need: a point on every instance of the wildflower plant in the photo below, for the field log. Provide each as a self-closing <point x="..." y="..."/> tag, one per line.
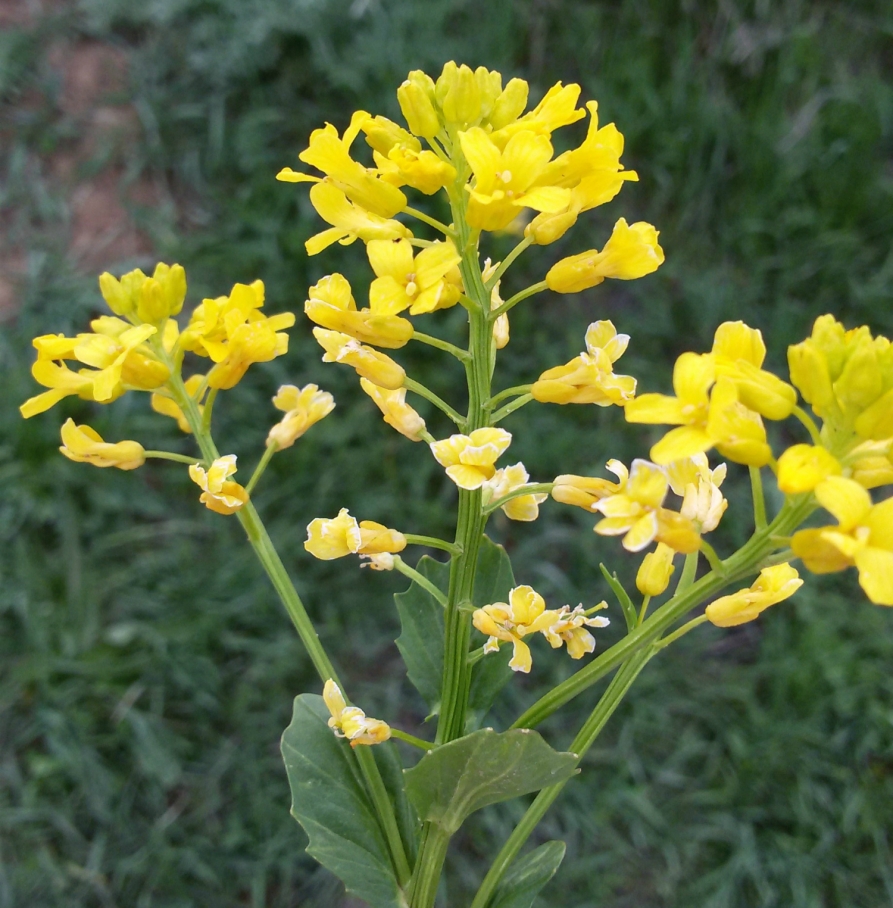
<point x="467" y="624"/>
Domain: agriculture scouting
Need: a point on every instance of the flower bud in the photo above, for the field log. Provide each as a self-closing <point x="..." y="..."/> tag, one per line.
<point x="416" y="99"/>
<point x="161" y="296"/>
<point x="510" y="104"/>
<point x="802" y="467"/>
<point x="773" y="585"/>
<point x="655" y="571"/>
<point x="458" y="94"/>
<point x="85" y="445"/>
<point x="122" y="295"/>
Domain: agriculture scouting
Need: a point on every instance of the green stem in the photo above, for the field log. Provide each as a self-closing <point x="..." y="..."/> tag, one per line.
<point x="422" y="581"/>
<point x="432" y="853"/>
<point x="590" y="731"/>
<point x="759" y="501"/>
<point x="530" y="489"/>
<point x="741" y="564"/>
<point x="689" y="569"/>
<point x="458" y="352"/>
<point x="382" y="802"/>
<point x="209" y="409"/>
<point x="643" y="611"/>
<point x="167" y="455"/>
<point x="271" y="449"/>
<point x="411" y="739"/>
<point x="518" y="298"/>
<point x="429" y="395"/>
<point x="506" y="263"/>
<point x="681" y="632"/>
<point x="516" y="404"/>
<point x="710" y="554"/>
<point x="433" y="543"/>
<point x="809" y="423"/>
<point x="431" y="222"/>
<point x="508" y="392"/>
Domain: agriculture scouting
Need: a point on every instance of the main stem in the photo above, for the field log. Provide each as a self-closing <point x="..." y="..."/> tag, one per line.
<point x="456" y="679"/>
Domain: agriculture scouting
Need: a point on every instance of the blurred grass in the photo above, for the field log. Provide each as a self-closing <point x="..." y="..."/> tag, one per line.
<point x="146" y="670"/>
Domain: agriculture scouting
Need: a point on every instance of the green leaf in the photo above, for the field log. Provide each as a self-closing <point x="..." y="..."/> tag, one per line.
<point x="629" y="610"/>
<point x="330" y="802"/>
<point x="492" y="583"/>
<point x="456" y="779"/>
<point x="527" y="876"/>
<point x="421" y="639"/>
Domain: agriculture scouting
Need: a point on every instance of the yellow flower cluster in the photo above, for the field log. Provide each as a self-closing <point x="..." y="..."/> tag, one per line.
<point x="328" y="539"/>
<point x="525" y="613"/>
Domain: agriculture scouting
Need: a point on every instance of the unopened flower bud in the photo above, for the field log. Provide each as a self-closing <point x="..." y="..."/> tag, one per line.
<point x="416" y="99"/>
<point x="655" y="571"/>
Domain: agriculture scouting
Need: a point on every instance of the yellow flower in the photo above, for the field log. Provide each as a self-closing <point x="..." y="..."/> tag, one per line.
<point x="570" y="628"/>
<point x="331" y="154"/>
<point x="303" y="408"/>
<point x="863" y="537"/>
<point x="350" y="721"/>
<point x="704" y="419"/>
<point x="349" y="222"/>
<point x="380" y="369"/>
<point x="585" y="491"/>
<point x="739" y="352"/>
<point x="120" y="358"/>
<point x="397" y="413"/>
<point x="525" y="613"/>
<point x="166" y="406"/>
<point x="422" y="283"/>
<point x="510" y="479"/>
<point x="774" y="584"/>
<point x="702" y="502"/>
<point x="505" y="179"/>
<point x="802" y="467"/>
<point x="593" y="173"/>
<point x="630" y="253"/>
<point x="470" y="459"/>
<point x="637" y="513"/>
<point x="655" y="571"/>
<point x="149" y="299"/>
<point x="85" y="445"/>
<point x="465" y="96"/>
<point x="328" y="539"/>
<point x="332" y="306"/>
<point x="589" y="378"/>
<point x="400" y="159"/>
<point x="557" y="108"/>
<point x="416" y="99"/>
<point x="219" y="493"/>
<point x="847" y="378"/>
<point x="234" y="333"/>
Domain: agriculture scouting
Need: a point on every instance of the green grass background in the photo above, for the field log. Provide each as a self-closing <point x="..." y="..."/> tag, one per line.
<point x="146" y="668"/>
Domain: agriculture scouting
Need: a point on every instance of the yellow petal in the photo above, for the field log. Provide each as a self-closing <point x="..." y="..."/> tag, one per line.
<point x="845" y="499"/>
<point x="876" y="574"/>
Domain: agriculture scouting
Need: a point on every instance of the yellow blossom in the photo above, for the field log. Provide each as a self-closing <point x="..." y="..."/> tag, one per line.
<point x="416" y="99"/>
<point x="570" y="628"/>
<point x="85" y="445"/>
<point x="380" y="369"/>
<point x="739" y="351"/>
<point x="501" y="324"/>
<point x="802" y="467"/>
<point x="630" y="253"/>
<point x="585" y="491"/>
<point x="692" y="479"/>
<point x="863" y="537"/>
<point x="510" y="479"/>
<point x="773" y="585"/>
<point x="422" y="283"/>
<point x="397" y="413"/>
<point x="351" y="722"/>
<point x="303" y="408"/>
<point x="148" y="299"/>
<point x="637" y="513"/>
<point x="525" y="613"/>
<point x="219" y="493"/>
<point x="331" y="305"/>
<point x="704" y="418"/>
<point x="349" y="221"/>
<point x="655" y="571"/>
<point x="328" y="539"/>
<point x="331" y="154"/>
<point x="167" y="406"/>
<point x="470" y="459"/>
<point x="505" y="179"/>
<point x="557" y="108"/>
<point x="589" y="378"/>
